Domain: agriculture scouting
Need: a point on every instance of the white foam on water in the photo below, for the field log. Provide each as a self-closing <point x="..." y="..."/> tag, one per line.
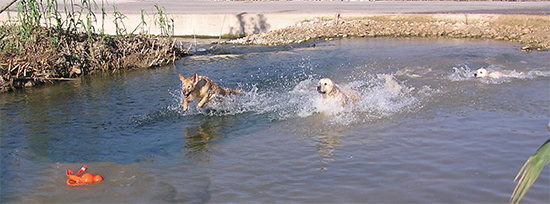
<point x="381" y="96"/>
<point x="464" y="73"/>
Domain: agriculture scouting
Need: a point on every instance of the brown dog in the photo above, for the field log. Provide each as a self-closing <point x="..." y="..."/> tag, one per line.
<point x="331" y="92"/>
<point x="203" y="89"/>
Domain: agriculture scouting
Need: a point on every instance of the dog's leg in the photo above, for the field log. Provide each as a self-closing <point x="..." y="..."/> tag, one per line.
<point x="185" y="103"/>
<point x="204" y="101"/>
<point x="211" y="97"/>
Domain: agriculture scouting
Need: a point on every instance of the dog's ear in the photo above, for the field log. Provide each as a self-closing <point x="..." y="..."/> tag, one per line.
<point x="181" y="77"/>
<point x="195" y="78"/>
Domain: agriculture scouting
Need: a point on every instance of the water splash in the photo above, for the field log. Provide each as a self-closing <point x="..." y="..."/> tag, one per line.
<point x="382" y="95"/>
<point x="461" y="74"/>
<point x="464" y="73"/>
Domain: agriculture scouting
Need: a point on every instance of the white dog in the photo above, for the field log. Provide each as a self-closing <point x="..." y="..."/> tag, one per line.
<point x="331" y="92"/>
<point x="480" y="73"/>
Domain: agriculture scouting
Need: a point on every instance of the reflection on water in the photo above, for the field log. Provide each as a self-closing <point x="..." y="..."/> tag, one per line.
<point x="198" y="139"/>
<point x="425" y="128"/>
<point x="327" y="145"/>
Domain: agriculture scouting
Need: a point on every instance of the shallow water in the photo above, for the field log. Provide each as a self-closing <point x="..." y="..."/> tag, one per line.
<point x="425" y="130"/>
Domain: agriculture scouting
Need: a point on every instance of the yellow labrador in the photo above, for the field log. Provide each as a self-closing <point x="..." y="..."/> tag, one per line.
<point x="480" y="73"/>
<point x="332" y="92"/>
<point x="202" y="89"/>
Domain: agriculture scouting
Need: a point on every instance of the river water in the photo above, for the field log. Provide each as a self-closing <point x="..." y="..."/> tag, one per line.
<point x="425" y="130"/>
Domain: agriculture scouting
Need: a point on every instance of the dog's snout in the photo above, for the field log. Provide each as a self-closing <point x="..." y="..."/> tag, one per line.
<point x="320" y="90"/>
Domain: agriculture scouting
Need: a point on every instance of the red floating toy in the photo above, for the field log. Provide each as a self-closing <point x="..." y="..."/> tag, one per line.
<point x="87" y="178"/>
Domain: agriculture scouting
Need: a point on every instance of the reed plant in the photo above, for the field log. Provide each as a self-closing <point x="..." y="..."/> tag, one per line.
<point x="166" y="24"/>
<point x="141" y="24"/>
<point x="29" y="17"/>
<point x="120" y="28"/>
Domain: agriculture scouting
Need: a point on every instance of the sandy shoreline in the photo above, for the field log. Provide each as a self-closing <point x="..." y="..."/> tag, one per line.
<point x="530" y="30"/>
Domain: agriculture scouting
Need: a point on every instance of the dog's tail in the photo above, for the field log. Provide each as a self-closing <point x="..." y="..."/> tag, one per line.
<point x="231" y="91"/>
<point x="238" y="91"/>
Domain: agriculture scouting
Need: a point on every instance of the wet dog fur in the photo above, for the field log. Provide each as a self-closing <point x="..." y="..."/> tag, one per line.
<point x="333" y="93"/>
<point x="482" y="72"/>
<point x="202" y="89"/>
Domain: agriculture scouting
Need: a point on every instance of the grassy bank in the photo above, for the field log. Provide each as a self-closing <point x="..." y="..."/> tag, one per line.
<point x="42" y="45"/>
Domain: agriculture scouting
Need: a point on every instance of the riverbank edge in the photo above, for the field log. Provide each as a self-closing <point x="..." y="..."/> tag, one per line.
<point x="41" y="45"/>
<point x="532" y="31"/>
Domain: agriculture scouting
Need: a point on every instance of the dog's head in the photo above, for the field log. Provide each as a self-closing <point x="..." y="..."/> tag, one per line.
<point x="325" y="86"/>
<point x="189" y="84"/>
<point x="480" y="73"/>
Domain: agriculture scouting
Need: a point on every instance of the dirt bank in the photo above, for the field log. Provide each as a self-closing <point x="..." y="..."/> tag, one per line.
<point x="46" y="59"/>
<point x="41" y="45"/>
<point x="530" y="30"/>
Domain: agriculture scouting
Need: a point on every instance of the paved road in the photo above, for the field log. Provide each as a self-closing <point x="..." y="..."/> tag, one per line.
<point x="230" y="17"/>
